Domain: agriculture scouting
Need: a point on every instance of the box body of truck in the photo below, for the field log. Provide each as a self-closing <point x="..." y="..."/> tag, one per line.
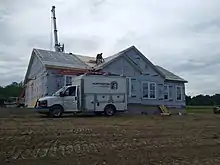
<point x="88" y="93"/>
<point x="98" y="91"/>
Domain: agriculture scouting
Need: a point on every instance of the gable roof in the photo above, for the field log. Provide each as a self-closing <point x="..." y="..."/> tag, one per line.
<point x="58" y="59"/>
<point x="111" y="59"/>
<point x="161" y="71"/>
<point x="169" y="75"/>
<point x="52" y="58"/>
<point x="69" y="60"/>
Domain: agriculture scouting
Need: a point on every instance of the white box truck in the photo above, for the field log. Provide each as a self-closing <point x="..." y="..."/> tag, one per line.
<point x="88" y="93"/>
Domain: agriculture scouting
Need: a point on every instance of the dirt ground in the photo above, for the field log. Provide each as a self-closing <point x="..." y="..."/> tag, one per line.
<point x="190" y="139"/>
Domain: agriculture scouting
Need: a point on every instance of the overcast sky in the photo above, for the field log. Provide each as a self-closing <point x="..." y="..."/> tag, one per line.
<point x="181" y="36"/>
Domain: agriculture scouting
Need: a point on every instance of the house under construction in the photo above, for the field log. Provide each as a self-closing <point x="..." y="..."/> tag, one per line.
<point x="149" y="84"/>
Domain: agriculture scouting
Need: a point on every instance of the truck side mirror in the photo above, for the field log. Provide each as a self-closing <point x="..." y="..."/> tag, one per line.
<point x="61" y="94"/>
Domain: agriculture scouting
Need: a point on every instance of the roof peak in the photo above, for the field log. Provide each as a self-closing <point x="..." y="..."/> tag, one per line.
<point x="128" y="48"/>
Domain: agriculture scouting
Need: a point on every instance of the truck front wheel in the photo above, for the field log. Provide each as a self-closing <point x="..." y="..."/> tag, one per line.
<point x="56" y="111"/>
<point x="109" y="110"/>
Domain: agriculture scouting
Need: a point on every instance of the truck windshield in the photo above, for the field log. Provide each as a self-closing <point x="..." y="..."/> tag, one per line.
<point x="57" y="93"/>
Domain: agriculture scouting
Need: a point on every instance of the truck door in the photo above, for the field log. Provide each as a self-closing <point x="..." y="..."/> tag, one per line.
<point x="70" y="99"/>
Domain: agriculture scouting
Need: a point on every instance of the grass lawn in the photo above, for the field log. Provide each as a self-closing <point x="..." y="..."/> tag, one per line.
<point x="199" y="109"/>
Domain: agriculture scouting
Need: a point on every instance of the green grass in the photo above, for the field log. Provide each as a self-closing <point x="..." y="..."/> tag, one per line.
<point x="199" y="109"/>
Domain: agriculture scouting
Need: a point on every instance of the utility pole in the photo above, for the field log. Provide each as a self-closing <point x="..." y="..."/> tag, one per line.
<point x="57" y="46"/>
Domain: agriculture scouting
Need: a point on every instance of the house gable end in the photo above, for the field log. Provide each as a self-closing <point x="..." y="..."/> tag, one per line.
<point x="122" y="66"/>
<point x="142" y="62"/>
<point x="35" y="66"/>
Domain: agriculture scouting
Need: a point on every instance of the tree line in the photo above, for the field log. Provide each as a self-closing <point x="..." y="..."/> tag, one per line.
<point x="12" y="90"/>
<point x="203" y="100"/>
<point x="15" y="89"/>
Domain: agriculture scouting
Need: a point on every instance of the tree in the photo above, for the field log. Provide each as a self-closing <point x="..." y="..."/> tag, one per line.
<point x="188" y="100"/>
<point x="203" y="100"/>
<point x="12" y="90"/>
<point x="216" y="99"/>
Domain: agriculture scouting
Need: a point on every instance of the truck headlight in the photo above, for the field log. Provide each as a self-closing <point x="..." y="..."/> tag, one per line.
<point x="42" y="103"/>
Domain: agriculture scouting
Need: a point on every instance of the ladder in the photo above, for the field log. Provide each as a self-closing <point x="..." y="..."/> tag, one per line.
<point x="164" y="110"/>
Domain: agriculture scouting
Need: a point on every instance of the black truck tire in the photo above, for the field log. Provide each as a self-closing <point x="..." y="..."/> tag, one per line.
<point x="56" y="111"/>
<point x="109" y="110"/>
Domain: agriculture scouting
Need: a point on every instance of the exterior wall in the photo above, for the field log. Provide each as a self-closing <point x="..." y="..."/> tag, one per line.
<point x="37" y="87"/>
<point x="57" y="78"/>
<point x="121" y="66"/>
<point x="149" y="75"/>
<point x="150" y="107"/>
<point x="136" y="96"/>
<point x="172" y="102"/>
<point x="55" y="81"/>
<point x="142" y="63"/>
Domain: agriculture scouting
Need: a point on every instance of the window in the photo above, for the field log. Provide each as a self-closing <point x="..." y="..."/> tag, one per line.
<point x="170" y="93"/>
<point x="68" y="80"/>
<point x="114" y="85"/>
<point x="131" y="86"/>
<point x="149" y="90"/>
<point x="133" y="89"/>
<point x="166" y="92"/>
<point x="145" y="90"/>
<point x="152" y="90"/>
<point x="71" y="91"/>
<point x="178" y="93"/>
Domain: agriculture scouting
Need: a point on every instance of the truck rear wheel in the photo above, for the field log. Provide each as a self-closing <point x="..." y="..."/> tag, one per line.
<point x="56" y="111"/>
<point x="109" y="110"/>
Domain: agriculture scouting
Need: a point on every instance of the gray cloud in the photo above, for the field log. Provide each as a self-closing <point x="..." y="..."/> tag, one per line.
<point x="83" y="44"/>
<point x="40" y="41"/>
<point x="182" y="36"/>
<point x="214" y="23"/>
<point x="7" y="57"/>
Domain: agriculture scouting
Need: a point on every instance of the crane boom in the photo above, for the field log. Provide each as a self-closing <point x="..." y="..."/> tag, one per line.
<point x="57" y="46"/>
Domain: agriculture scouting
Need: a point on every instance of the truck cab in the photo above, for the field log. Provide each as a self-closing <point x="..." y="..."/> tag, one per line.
<point x="64" y="100"/>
